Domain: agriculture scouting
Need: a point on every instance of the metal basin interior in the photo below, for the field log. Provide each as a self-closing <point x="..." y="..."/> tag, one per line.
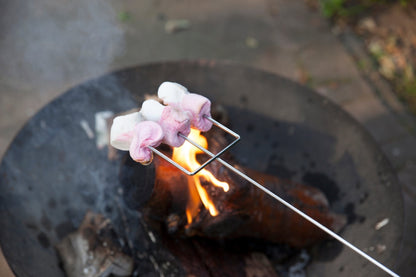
<point x="53" y="173"/>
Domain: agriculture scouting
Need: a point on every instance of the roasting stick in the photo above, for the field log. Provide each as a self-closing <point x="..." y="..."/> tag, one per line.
<point x="270" y="193"/>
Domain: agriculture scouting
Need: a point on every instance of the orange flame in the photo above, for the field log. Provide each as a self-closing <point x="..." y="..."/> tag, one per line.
<point x="186" y="157"/>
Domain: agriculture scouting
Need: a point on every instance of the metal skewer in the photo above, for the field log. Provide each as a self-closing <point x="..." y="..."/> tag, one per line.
<point x="213" y="156"/>
<point x="270" y="193"/>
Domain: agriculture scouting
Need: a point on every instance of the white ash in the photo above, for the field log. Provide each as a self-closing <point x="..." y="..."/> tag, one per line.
<point x="152" y="237"/>
<point x="381" y="223"/>
<point x="87" y="129"/>
<point x="156" y="266"/>
<point x="101" y="128"/>
<point x="176" y="25"/>
<point x="298" y="269"/>
<point x="380" y="248"/>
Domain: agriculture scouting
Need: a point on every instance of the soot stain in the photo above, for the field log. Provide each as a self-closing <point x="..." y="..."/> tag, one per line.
<point x="327" y="251"/>
<point x="243" y="99"/>
<point x="46" y="223"/>
<point x="324" y="183"/>
<point x="63" y="229"/>
<point x="32" y="226"/>
<point x="137" y="182"/>
<point x="363" y="197"/>
<point x="88" y="198"/>
<point x="52" y="203"/>
<point x="69" y="213"/>
<point x="352" y="217"/>
<point x="276" y="168"/>
<point x="64" y="200"/>
<point x="250" y="127"/>
<point x="108" y="209"/>
<point x="43" y="240"/>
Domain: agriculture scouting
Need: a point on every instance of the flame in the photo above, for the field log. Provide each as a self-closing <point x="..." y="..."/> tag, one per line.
<point x="186" y="157"/>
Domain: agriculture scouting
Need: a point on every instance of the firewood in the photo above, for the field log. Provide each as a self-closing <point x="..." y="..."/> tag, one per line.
<point x="244" y="211"/>
<point x="94" y="250"/>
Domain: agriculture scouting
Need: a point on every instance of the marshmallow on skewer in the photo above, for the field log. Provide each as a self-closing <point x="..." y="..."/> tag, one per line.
<point x="172" y="120"/>
<point x="171" y="93"/>
<point x="122" y="130"/>
<point x="146" y="133"/>
<point x="199" y="106"/>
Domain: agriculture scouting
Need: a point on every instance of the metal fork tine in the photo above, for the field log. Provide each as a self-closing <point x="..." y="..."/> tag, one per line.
<point x="213" y="156"/>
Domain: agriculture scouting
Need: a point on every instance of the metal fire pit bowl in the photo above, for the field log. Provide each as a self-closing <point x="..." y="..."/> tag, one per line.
<point x="53" y="172"/>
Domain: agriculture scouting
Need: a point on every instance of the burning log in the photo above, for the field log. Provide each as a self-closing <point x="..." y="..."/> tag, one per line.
<point x="230" y="207"/>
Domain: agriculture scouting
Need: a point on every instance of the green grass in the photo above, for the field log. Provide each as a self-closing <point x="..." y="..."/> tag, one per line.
<point x="124" y="16"/>
<point x="407" y="91"/>
<point x="342" y="8"/>
<point x="351" y="8"/>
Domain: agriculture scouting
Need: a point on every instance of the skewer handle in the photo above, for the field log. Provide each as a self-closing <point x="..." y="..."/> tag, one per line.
<point x="299" y="212"/>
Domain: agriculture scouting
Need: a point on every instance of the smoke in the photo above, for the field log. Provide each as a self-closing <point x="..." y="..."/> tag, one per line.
<point x="57" y="41"/>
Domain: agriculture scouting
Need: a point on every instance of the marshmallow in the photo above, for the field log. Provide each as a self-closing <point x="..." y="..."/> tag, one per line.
<point x="152" y="110"/>
<point x="171" y="93"/>
<point x="199" y="106"/>
<point x="121" y="133"/>
<point x="146" y="133"/>
<point x="172" y="120"/>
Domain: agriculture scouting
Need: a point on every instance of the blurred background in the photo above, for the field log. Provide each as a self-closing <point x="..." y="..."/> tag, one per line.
<point x="359" y="53"/>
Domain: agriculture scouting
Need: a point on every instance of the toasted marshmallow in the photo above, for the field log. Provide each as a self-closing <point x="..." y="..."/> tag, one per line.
<point x="121" y="134"/>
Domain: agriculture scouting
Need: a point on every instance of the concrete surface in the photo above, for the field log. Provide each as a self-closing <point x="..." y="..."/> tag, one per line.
<point x="47" y="46"/>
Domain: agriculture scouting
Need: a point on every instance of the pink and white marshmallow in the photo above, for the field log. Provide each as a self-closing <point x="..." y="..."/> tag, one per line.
<point x="131" y="132"/>
<point x="173" y="121"/>
<point x="174" y="94"/>
<point x="122" y="130"/>
<point x="146" y="133"/>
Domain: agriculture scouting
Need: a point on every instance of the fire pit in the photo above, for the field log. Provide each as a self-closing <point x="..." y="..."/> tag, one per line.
<point x="53" y="172"/>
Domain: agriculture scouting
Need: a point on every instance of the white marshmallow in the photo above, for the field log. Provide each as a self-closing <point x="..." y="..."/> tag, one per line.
<point x="171" y="92"/>
<point x="122" y="129"/>
<point x="152" y="110"/>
